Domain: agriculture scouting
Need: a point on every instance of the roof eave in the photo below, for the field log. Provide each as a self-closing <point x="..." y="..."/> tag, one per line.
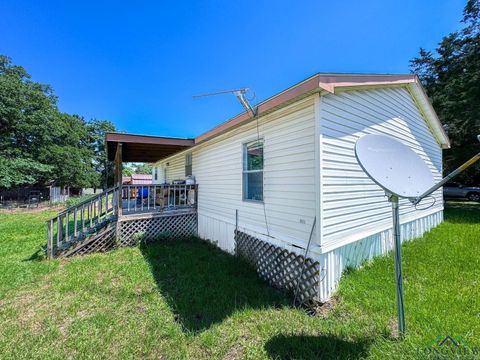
<point x="331" y="84"/>
<point x="423" y="101"/>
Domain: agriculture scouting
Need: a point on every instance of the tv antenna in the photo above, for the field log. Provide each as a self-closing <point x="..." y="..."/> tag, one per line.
<point x="239" y="94"/>
<point x="401" y="173"/>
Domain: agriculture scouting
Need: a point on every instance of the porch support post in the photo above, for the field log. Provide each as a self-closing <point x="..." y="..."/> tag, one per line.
<point x="118" y="182"/>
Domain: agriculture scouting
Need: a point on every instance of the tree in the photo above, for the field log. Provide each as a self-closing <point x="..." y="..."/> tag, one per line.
<point x="97" y="130"/>
<point x="24" y="106"/>
<point x="18" y="172"/>
<point x="38" y="143"/>
<point x="136" y="168"/>
<point x="144" y="168"/>
<point x="128" y="169"/>
<point x="451" y="76"/>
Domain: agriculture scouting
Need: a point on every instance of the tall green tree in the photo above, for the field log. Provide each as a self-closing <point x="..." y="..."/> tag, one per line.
<point x="38" y="143"/>
<point x="23" y="106"/>
<point x="451" y="76"/>
<point x="103" y="167"/>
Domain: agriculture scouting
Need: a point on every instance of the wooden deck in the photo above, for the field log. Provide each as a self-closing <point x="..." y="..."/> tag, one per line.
<point x="143" y="209"/>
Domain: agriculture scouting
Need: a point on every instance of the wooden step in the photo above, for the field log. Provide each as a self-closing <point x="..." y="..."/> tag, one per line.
<point x="100" y="241"/>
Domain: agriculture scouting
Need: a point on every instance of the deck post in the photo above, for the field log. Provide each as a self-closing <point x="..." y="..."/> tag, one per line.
<point x="118" y="182"/>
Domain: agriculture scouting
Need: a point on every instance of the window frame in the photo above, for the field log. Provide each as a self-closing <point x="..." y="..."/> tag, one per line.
<point x="189" y="166"/>
<point x="245" y="171"/>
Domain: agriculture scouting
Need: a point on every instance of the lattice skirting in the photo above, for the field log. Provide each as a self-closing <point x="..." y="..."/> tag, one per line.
<point x="132" y="230"/>
<point x="280" y="267"/>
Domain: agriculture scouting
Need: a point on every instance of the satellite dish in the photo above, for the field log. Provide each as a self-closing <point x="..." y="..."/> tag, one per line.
<point x="393" y="166"/>
<point x="402" y="174"/>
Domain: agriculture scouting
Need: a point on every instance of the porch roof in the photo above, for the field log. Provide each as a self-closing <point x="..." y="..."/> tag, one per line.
<point x="144" y="148"/>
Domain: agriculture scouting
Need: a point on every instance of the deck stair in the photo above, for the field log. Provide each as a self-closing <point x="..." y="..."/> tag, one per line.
<point x="82" y="225"/>
<point x="99" y="241"/>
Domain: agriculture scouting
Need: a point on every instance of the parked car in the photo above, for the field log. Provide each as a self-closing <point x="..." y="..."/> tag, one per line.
<point x="458" y="191"/>
<point x="34" y="196"/>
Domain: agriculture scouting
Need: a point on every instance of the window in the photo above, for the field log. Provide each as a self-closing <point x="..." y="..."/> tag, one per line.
<point x="253" y="171"/>
<point x="155" y="173"/>
<point x="188" y="164"/>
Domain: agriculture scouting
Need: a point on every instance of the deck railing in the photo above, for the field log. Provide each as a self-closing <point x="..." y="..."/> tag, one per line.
<point x="147" y="198"/>
<point x="73" y="223"/>
<point x="76" y="222"/>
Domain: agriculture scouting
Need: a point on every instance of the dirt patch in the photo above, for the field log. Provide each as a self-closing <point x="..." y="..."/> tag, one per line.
<point x="393" y="327"/>
<point x="32" y="210"/>
<point x="234" y="353"/>
<point x="324" y="309"/>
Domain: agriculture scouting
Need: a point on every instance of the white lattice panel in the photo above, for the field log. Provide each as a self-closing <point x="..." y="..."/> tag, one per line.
<point x="280" y="267"/>
<point x="175" y="226"/>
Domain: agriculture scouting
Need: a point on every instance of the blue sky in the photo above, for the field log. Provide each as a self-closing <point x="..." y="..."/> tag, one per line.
<point x="139" y="63"/>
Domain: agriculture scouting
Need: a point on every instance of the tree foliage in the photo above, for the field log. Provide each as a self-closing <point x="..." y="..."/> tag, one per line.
<point x="40" y="144"/>
<point x="103" y="167"/>
<point x="451" y="76"/>
<point x="144" y="168"/>
<point x="136" y="168"/>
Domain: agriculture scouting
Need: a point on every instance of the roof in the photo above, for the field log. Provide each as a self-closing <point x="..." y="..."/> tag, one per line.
<point x="136" y="179"/>
<point x="141" y="177"/>
<point x="332" y="83"/>
<point x="144" y="148"/>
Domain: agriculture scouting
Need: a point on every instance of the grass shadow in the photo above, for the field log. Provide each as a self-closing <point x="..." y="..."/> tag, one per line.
<point x="38" y="255"/>
<point x="462" y="214"/>
<point x="204" y="285"/>
<point x="284" y="347"/>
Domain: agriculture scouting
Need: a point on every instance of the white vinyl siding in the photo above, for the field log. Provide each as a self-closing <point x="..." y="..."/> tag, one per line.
<point x="289" y="178"/>
<point x="175" y="166"/>
<point x="352" y="206"/>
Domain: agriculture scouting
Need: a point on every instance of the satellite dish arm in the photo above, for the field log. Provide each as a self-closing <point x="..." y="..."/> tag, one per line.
<point x="447" y="178"/>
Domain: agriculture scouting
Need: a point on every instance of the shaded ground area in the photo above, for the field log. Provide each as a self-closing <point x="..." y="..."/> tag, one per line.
<point x="204" y="285"/>
<point x="188" y="300"/>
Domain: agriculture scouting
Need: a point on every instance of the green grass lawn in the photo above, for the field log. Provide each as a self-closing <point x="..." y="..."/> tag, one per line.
<point x="186" y="299"/>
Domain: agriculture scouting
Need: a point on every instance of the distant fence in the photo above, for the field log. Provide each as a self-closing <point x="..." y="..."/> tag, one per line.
<point x="24" y="195"/>
<point x="56" y="194"/>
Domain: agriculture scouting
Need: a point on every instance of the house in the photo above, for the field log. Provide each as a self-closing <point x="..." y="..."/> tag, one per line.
<point x="271" y="176"/>
<point x="283" y="188"/>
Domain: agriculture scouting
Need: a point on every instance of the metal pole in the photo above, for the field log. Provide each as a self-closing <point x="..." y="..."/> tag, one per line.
<point x="398" y="264"/>
<point x="447" y="178"/>
<point x="236" y="230"/>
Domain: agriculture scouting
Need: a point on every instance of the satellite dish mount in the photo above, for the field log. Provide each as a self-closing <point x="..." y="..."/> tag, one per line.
<point x="401" y="173"/>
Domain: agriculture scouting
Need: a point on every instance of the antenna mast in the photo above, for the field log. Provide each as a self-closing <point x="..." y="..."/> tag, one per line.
<point x="239" y="94"/>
